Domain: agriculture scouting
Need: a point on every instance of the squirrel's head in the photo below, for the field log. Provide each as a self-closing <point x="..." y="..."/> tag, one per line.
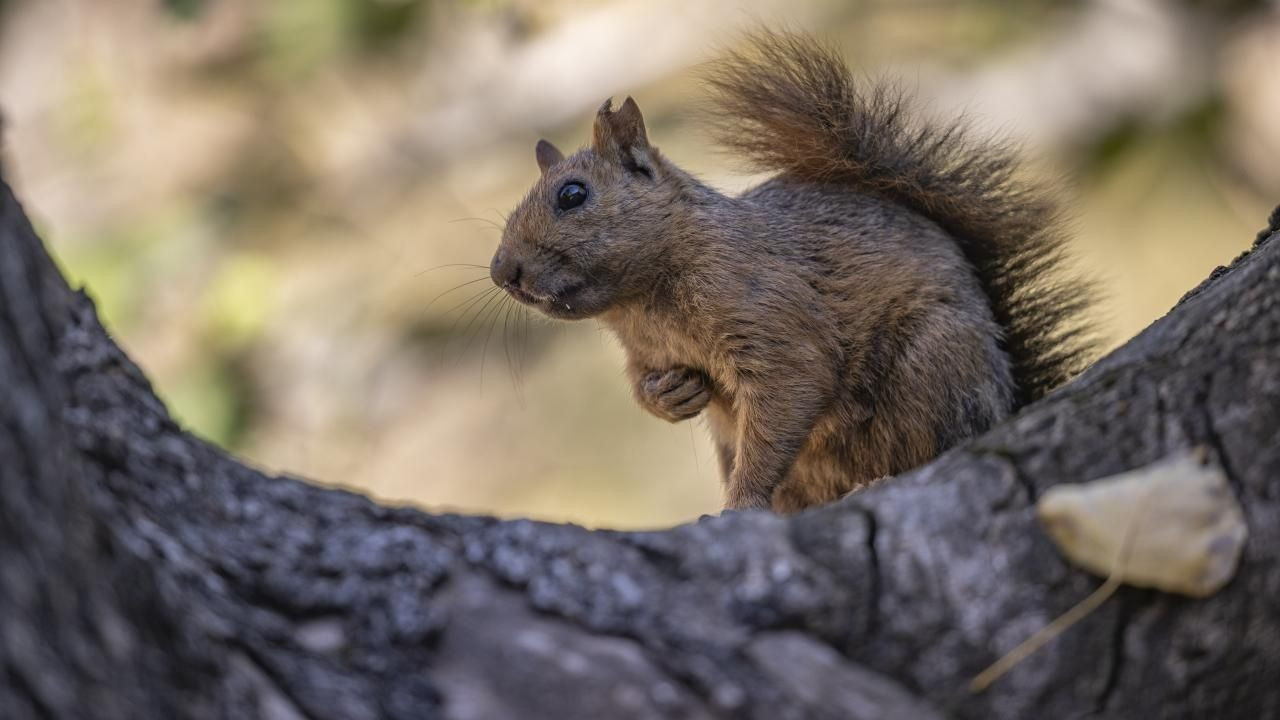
<point x="585" y="237"/>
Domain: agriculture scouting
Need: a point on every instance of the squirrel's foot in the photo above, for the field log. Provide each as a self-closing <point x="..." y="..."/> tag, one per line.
<point x="675" y="394"/>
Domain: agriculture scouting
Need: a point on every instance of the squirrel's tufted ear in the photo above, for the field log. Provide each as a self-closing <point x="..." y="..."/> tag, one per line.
<point x="619" y="136"/>
<point x="547" y="155"/>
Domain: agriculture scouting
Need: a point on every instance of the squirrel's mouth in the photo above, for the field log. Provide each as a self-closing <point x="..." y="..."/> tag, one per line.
<point x="523" y="295"/>
<point x="558" y="304"/>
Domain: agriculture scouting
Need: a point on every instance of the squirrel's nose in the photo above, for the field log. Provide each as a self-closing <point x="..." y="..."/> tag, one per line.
<point x="504" y="271"/>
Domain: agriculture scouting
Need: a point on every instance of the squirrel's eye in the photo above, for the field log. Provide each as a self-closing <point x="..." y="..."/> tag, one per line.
<point x="571" y="195"/>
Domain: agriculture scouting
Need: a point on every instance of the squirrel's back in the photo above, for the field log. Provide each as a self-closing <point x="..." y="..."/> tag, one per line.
<point x="793" y="106"/>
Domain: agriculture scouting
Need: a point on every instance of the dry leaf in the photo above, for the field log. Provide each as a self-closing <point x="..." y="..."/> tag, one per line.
<point x="1186" y="529"/>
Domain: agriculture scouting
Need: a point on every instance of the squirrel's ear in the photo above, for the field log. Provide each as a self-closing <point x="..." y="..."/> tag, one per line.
<point x="547" y="155"/>
<point x="619" y="135"/>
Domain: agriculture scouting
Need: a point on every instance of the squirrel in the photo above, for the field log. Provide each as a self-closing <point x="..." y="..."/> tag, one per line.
<point x="892" y="289"/>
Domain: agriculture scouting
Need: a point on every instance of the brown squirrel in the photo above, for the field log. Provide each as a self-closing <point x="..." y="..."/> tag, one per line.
<point x="891" y="290"/>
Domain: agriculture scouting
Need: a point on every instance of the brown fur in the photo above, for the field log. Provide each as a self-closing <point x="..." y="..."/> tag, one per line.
<point x="888" y="293"/>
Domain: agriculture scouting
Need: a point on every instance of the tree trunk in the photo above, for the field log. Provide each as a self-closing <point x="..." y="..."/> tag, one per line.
<point x="144" y="573"/>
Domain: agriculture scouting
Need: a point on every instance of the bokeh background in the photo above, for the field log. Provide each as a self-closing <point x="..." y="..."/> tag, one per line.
<point x="272" y="202"/>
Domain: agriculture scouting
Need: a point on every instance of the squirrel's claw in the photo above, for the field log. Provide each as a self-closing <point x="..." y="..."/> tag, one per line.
<point x="675" y="394"/>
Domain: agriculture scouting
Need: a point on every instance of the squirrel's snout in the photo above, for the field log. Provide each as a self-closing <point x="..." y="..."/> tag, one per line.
<point x="504" y="271"/>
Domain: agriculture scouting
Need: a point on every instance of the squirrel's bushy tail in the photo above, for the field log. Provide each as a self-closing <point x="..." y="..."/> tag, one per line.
<point x="790" y="104"/>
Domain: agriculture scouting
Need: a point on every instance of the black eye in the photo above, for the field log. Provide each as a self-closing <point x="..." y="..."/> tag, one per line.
<point x="571" y="195"/>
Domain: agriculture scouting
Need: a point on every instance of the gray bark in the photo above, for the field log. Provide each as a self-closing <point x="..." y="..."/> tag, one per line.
<point x="144" y="573"/>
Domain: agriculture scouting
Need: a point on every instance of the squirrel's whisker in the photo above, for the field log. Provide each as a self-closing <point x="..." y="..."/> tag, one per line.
<point x="465" y="304"/>
<point x="493" y="323"/>
<point x="506" y="346"/>
<point x="481" y="316"/>
<point x="464" y="308"/>
<point x="451" y="265"/>
<point x="450" y="290"/>
<point x="486" y="221"/>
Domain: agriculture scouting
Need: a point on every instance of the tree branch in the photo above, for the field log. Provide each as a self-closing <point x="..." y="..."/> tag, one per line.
<point x="146" y="573"/>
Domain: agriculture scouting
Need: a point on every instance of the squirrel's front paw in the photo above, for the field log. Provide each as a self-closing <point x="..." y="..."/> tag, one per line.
<point x="674" y="395"/>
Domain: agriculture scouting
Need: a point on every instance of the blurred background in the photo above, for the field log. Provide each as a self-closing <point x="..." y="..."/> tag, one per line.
<point x="277" y="205"/>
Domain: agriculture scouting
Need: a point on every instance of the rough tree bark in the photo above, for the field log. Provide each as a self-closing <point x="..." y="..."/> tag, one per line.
<point x="144" y="573"/>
